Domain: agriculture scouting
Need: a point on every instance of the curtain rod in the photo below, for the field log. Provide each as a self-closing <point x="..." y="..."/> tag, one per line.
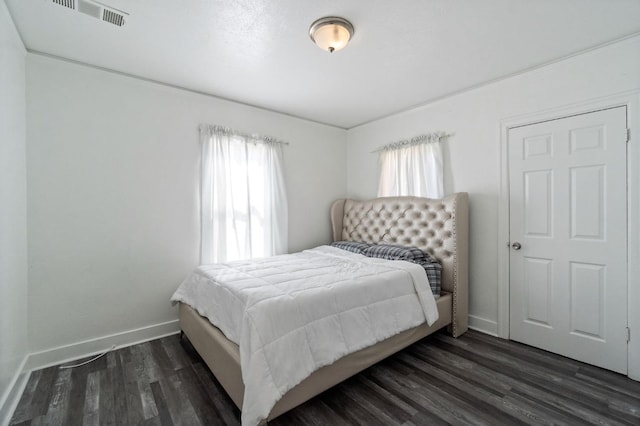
<point x="417" y="140"/>
<point x="229" y="131"/>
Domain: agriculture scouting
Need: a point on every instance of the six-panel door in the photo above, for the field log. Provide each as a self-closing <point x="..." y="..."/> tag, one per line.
<point x="568" y="281"/>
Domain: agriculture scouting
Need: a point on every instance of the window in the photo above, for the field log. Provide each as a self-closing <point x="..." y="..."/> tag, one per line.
<point x="412" y="167"/>
<point x="243" y="197"/>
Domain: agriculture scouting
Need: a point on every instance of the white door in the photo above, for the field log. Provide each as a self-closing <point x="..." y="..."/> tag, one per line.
<point x="568" y="232"/>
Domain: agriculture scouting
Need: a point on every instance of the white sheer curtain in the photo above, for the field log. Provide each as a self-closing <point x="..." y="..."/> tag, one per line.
<point x="243" y="197"/>
<point x="412" y="168"/>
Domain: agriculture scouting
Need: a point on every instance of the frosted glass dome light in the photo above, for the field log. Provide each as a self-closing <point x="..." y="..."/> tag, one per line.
<point x="331" y="33"/>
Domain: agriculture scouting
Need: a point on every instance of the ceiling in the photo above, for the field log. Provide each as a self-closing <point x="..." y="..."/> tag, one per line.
<point x="258" y="52"/>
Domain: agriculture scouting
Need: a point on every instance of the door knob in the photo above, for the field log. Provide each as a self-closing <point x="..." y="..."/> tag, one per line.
<point x="516" y="246"/>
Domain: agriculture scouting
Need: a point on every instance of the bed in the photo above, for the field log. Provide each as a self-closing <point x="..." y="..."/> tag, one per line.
<point x="436" y="226"/>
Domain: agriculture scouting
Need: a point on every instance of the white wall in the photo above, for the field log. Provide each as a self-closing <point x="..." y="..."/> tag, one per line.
<point x="113" y="169"/>
<point x="13" y="208"/>
<point x="472" y="156"/>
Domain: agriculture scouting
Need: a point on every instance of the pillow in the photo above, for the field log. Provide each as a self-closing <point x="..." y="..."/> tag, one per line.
<point x="434" y="274"/>
<point x="414" y="255"/>
<point x="392" y="252"/>
<point x="352" y="246"/>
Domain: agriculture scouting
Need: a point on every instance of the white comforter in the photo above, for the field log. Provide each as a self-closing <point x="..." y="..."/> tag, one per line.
<point x="293" y="314"/>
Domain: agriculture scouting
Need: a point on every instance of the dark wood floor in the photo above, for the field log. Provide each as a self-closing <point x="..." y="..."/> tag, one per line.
<point x="476" y="379"/>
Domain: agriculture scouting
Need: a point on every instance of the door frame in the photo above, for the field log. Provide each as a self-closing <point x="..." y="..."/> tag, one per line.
<point x="631" y="100"/>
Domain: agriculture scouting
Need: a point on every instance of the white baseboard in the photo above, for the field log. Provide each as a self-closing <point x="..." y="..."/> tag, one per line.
<point x="483" y="325"/>
<point x="86" y="348"/>
<point x="12" y="395"/>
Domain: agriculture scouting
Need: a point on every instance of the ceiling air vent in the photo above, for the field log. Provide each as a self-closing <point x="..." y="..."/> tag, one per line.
<point x="66" y="3"/>
<point x="112" y="17"/>
<point x="96" y="10"/>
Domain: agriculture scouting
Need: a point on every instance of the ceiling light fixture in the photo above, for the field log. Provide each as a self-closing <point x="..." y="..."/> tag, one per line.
<point x="331" y="33"/>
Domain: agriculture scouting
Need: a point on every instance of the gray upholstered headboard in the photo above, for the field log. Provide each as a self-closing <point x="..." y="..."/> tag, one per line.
<point x="439" y="227"/>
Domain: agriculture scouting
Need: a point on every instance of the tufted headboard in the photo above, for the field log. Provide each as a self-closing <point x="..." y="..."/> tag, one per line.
<point x="439" y="227"/>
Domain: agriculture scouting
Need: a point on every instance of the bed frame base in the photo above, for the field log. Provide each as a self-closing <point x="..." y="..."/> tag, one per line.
<point x="223" y="357"/>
